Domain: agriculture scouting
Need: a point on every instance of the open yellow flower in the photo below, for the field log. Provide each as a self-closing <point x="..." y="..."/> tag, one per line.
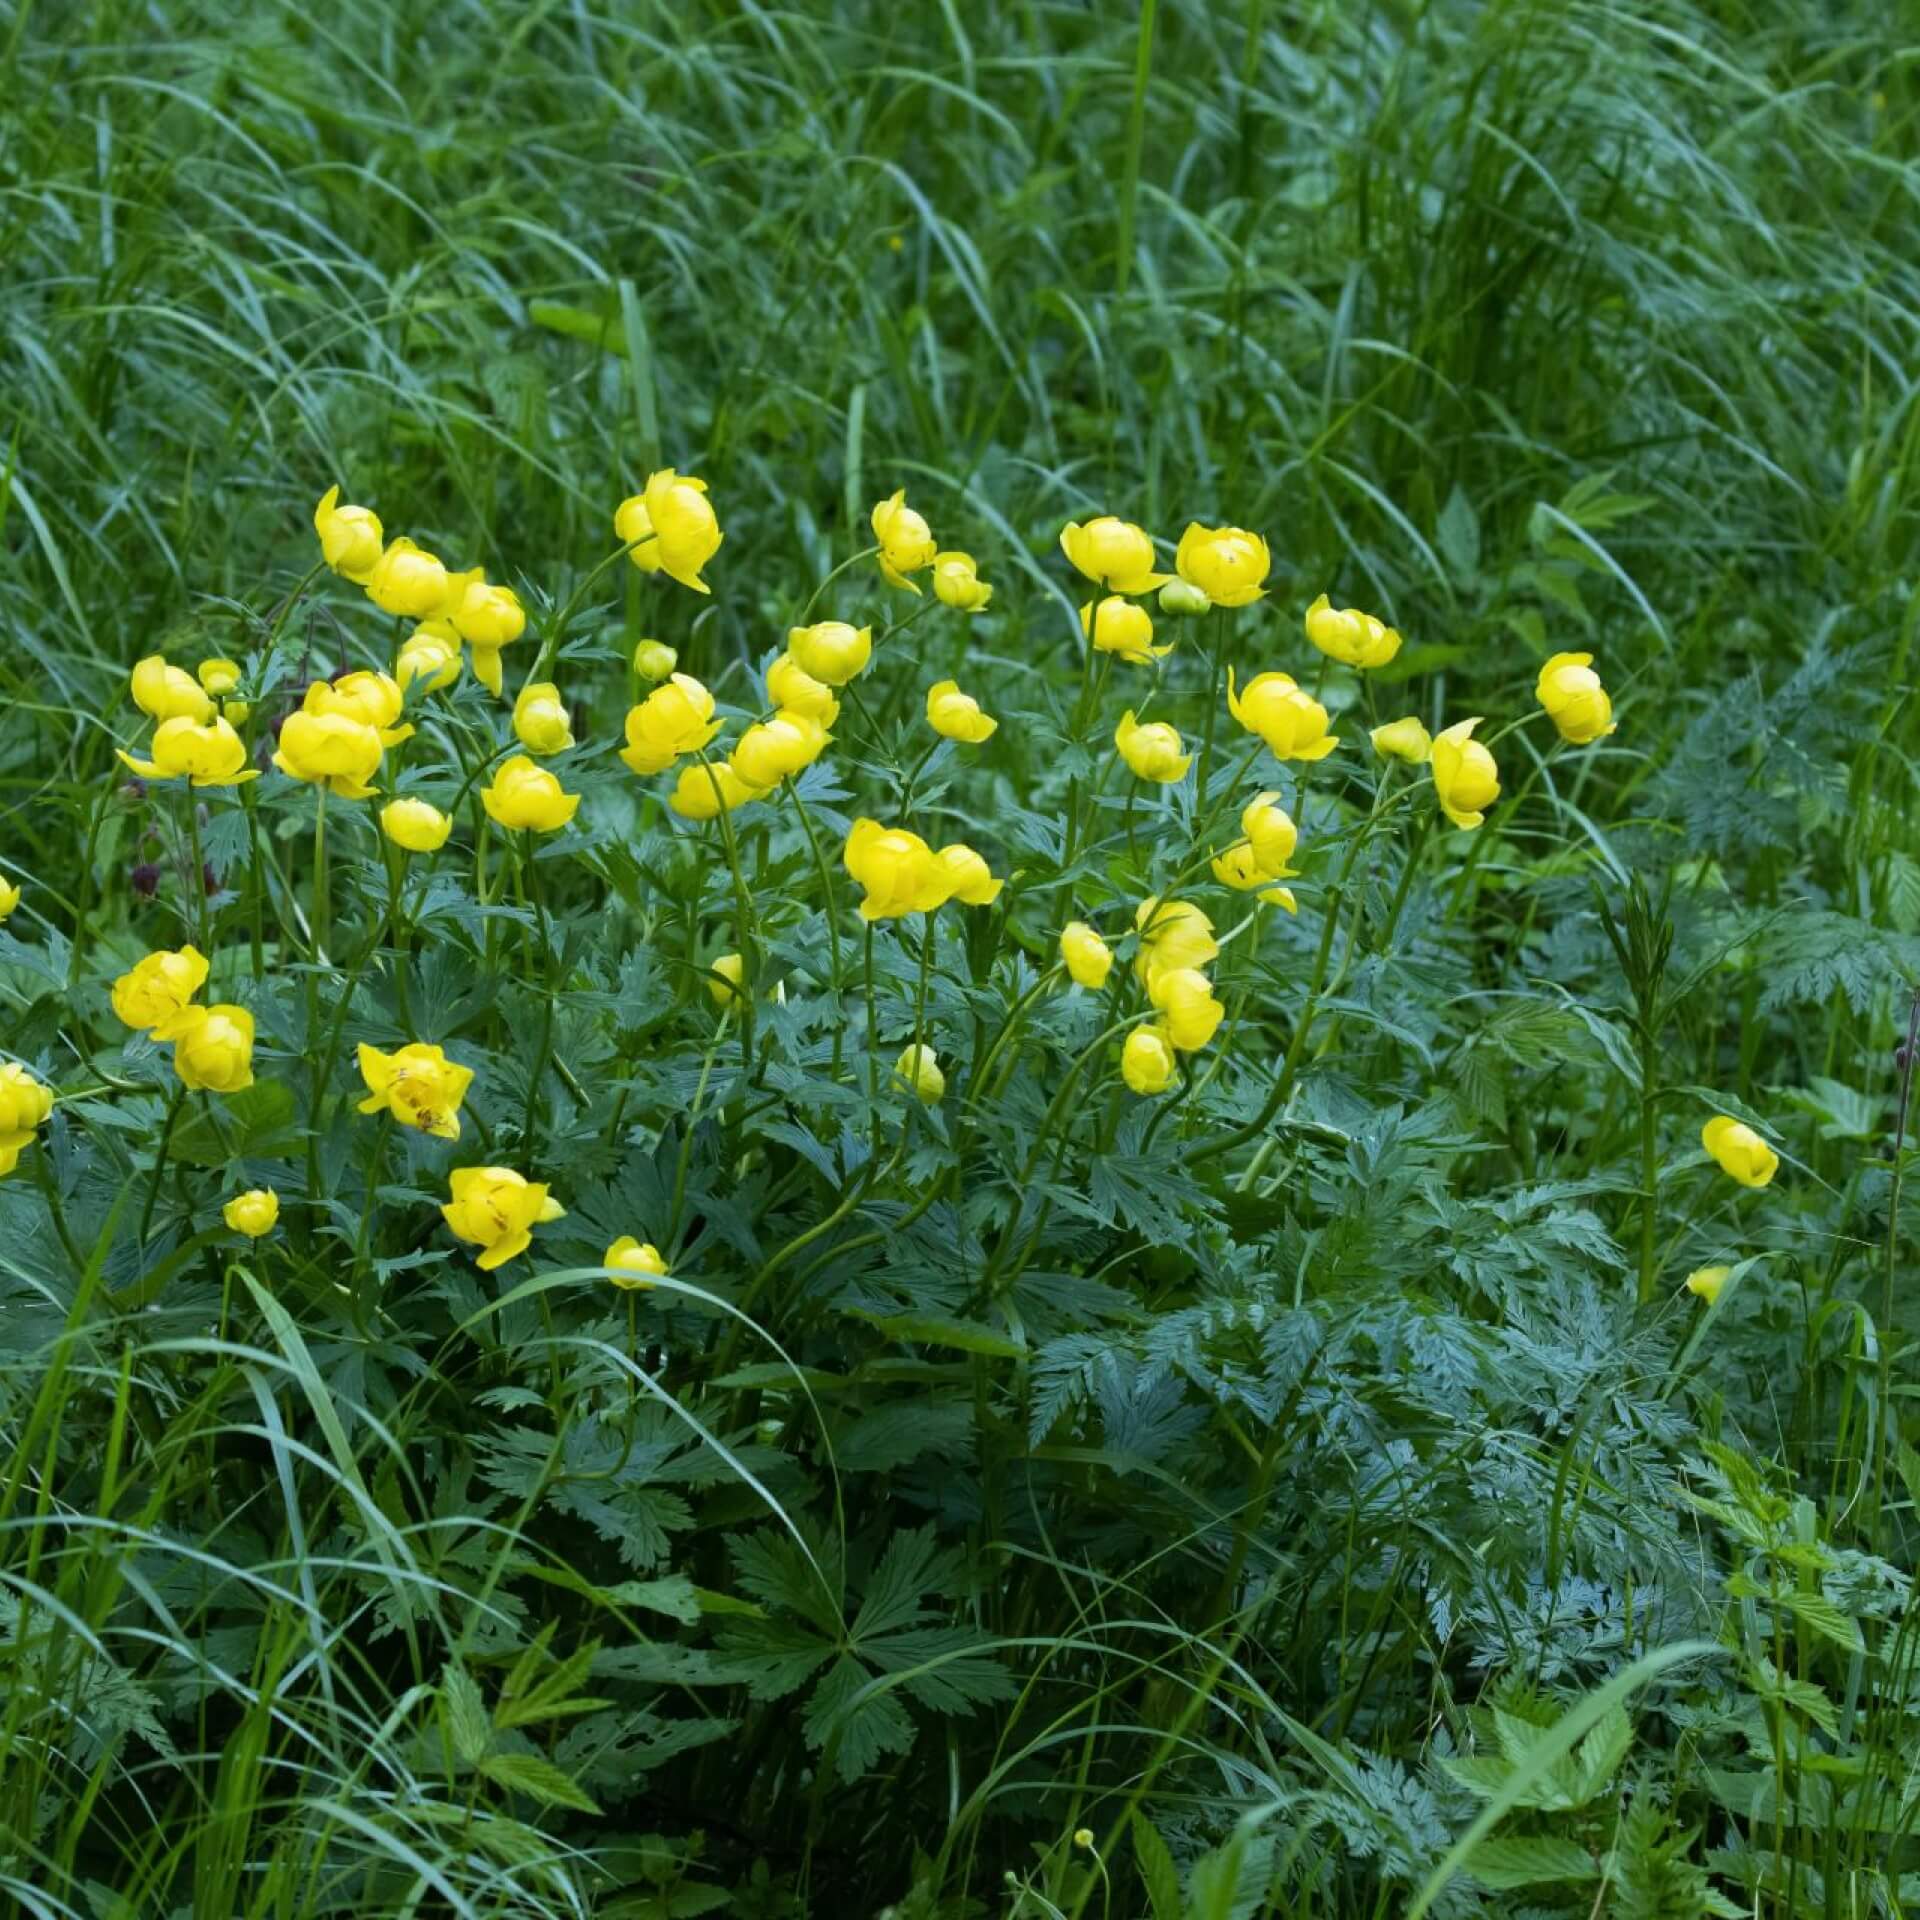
<point x="957" y="582"/>
<point x="1227" y="564"/>
<point x="774" y="750"/>
<point x="1741" y="1152"/>
<point x="253" y="1212"/>
<point x="208" y="753"/>
<point x="791" y="686"/>
<point x="1403" y="739"/>
<point x="1465" y="779"/>
<point x="686" y="531"/>
<point x="635" y="1264"/>
<point x="1112" y="553"/>
<point x="906" y="541"/>
<point x="707" y="789"/>
<point x="429" y="656"/>
<point x="972" y="882"/>
<point x="899" y="871"/>
<point x="1147" y="1060"/>
<point x="1088" y="958"/>
<point x="1284" y="715"/>
<point x="156" y="988"/>
<point x="350" y="537"/>
<point x="496" y="1210"/>
<point x="1173" y="933"/>
<point x="1348" y="635"/>
<point x="673" y="719"/>
<point x="540" y="720"/>
<point x="1575" y="700"/>
<point x="1151" y="749"/>
<point x="918" y="1070"/>
<point x="956" y="715"/>
<point x="333" y="750"/>
<point x="169" y="693"/>
<point x="418" y="1085"/>
<point x="831" y="651"/>
<point x="212" y="1047"/>
<point x="525" y="796"/>
<point x="417" y="825"/>
<point x="1189" y="1013"/>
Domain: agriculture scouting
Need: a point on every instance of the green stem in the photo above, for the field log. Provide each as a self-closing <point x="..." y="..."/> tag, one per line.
<point x="160" y="1159"/>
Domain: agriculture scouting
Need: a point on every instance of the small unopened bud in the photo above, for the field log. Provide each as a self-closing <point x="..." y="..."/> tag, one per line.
<point x="654" y="660"/>
<point x="1183" y="597"/>
<point x="1083" y="1838"/>
<point x="1902" y="1057"/>
<point x="146" y="879"/>
<point x="209" y="880"/>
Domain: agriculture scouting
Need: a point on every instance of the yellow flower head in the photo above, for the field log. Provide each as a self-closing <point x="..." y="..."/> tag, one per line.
<point x="408" y="581"/>
<point x="208" y="753"/>
<point x="429" y="655"/>
<point x="1227" y="564"/>
<point x="1284" y="715"/>
<point x="417" y="825"/>
<point x="169" y="693"/>
<point x="725" y="973"/>
<point x="350" y="537"/>
<point x="653" y="660"/>
<point x="212" y="1047"/>
<point x="1348" y="635"/>
<point x="686" y="532"/>
<point x="1741" y="1152"/>
<point x="9" y="898"/>
<point x="1120" y="627"/>
<point x="957" y="715"/>
<point x="1239" y="867"/>
<point x="331" y="750"/>
<point x="1707" y="1282"/>
<point x="791" y="686"/>
<point x="1188" y="1011"/>
<point x="1575" y="700"/>
<point x="527" y="796"/>
<point x="1151" y="750"/>
<point x="1087" y="957"/>
<point x="486" y="615"/>
<point x="253" y="1212"/>
<point x="496" y="1209"/>
<point x="972" y="882"/>
<point x="25" y="1100"/>
<point x="957" y="582"/>
<point x="831" y="651"/>
<point x="706" y="790"/>
<point x="374" y="699"/>
<point x="1146" y="1060"/>
<point x="774" y="750"/>
<point x="635" y="1264"/>
<point x="418" y="1085"/>
<point x="218" y="677"/>
<point x="673" y="719"/>
<point x="918" y="1070"/>
<point x="899" y="871"/>
<point x="1270" y="829"/>
<point x="634" y="529"/>
<point x="1112" y="553"/>
<point x="540" y="720"/>
<point x="156" y="988"/>
<point x="1465" y="779"/>
<point x="1173" y="933"/>
<point x="1403" y="739"/>
<point x="906" y="542"/>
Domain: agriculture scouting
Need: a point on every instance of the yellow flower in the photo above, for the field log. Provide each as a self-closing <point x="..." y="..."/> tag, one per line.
<point x="906" y="542"/>
<point x="707" y="789"/>
<point x="1239" y="866"/>
<point x="156" y="988"/>
<point x="1287" y="718"/>
<point x="253" y="1212"/>
<point x="973" y="884"/>
<point x="487" y="617"/>
<point x="635" y="1264"/>
<point x="236" y="711"/>
<point x="1707" y="1282"/>
<point x="25" y="1100"/>
<point x="1347" y="634"/>
<point x="1120" y="627"/>
<point x="1262" y="857"/>
<point x="496" y="1209"/>
<point x="1188" y="1011"/>
<point x="1403" y="739"/>
<point x="1146" y="1061"/>
<point x="957" y="715"/>
<point x="1088" y="958"/>
<point x="417" y="825"/>
<point x="791" y="686"/>
<point x="956" y="581"/>
<point x="431" y="655"/>
<point x="900" y="872"/>
<point x="374" y="699"/>
<point x="9" y="898"/>
<point x="1173" y="933"/>
<point x="1227" y="564"/>
<point x="918" y="1070"/>
<point x="674" y="719"/>
<point x="408" y="581"/>
<point x="1112" y="553"/>
<point x="212" y="1047"/>
<point x="1575" y="700"/>
<point x="418" y="1085"/>
<point x="830" y="651"/>
<point x="1184" y="600"/>
<point x="686" y="533"/>
<point x="726" y="971"/>
<point x="330" y="749"/>
<point x="1151" y="750"/>
<point x="1464" y="777"/>
<point x="209" y="753"/>
<point x="1740" y="1151"/>
<point x="773" y="750"/>
<point x="524" y="795"/>
<point x="350" y="537"/>
<point x="169" y="693"/>
<point x="218" y="677"/>
<point x="634" y="530"/>
<point x="653" y="660"/>
<point x="540" y="721"/>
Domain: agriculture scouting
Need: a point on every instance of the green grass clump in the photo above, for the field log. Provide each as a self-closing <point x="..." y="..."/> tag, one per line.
<point x="1312" y="1491"/>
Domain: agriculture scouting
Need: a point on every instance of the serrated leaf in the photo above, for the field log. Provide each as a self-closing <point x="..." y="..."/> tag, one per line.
<point x="539" y="1779"/>
<point x="1506" y="1863"/>
<point x="466" y="1714"/>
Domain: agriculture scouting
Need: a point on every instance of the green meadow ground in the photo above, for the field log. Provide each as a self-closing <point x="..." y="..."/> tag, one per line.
<point x="1317" y="1485"/>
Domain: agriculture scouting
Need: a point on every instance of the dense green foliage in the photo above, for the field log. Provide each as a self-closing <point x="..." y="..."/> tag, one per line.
<point x="1315" y="1484"/>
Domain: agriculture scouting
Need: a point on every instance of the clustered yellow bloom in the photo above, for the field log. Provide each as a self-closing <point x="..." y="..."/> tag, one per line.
<point x="253" y="1212"/>
<point x="496" y="1210"/>
<point x="792" y="687"/>
<point x="153" y="990"/>
<point x="901" y="874"/>
<point x="25" y="1103"/>
<point x="1346" y="634"/>
<point x="957" y="715"/>
<point x="191" y="741"/>
<point x="1575" y="701"/>
<point x="706" y="790"/>
<point x="1176" y="944"/>
<point x="906" y="541"/>
<point x="430" y="656"/>
<point x="653" y="660"/>
<point x="1152" y="749"/>
<point x="418" y="1085"/>
<point x="1741" y="1153"/>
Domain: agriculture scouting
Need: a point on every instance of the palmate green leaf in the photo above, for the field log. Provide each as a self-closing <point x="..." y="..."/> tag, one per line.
<point x="539" y="1779"/>
<point x="1501" y="1864"/>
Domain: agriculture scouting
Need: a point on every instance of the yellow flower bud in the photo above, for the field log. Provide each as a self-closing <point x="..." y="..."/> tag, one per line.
<point x="653" y="660"/>
<point x="408" y="581"/>
<point x="331" y="750"/>
<point x="209" y="753"/>
<point x="429" y="655"/>
<point x="1151" y="750"/>
<point x="169" y="693"/>
<point x="971" y="882"/>
<point x="1112" y="553"/>
<point x="218" y="677"/>
<point x="906" y="542"/>
<point x="253" y="1212"/>
<point x="1146" y="1060"/>
<point x="156" y="988"/>
<point x="212" y="1047"/>
<point x="956" y="715"/>
<point x="373" y="699"/>
<point x="686" y="532"/>
<point x="1288" y="719"/>
<point x="830" y="651"/>
<point x="635" y="1264"/>
<point x="1465" y="778"/>
<point x="957" y="582"/>
<point x="634" y="530"/>
<point x="1741" y="1152"/>
<point x="418" y="1085"/>
<point x="1120" y="627"/>
<point x="1083" y="1838"/>
<point x="1227" y="564"/>
<point x="1575" y="700"/>
<point x="486" y="616"/>
<point x="9" y="898"/>
<point x="918" y="1070"/>
<point x="674" y="719"/>
<point x="1707" y="1282"/>
<point x="527" y="796"/>
<point x="791" y="686"/>
<point x="708" y="789"/>
<point x="1173" y="933"/>
<point x="1088" y="958"/>
<point x="495" y="1209"/>
<point x="1348" y="635"/>
<point x="899" y="871"/>
<point x="235" y="712"/>
<point x="540" y="721"/>
<point x="774" y="750"/>
<point x="350" y="537"/>
<point x="417" y="825"/>
<point x="728" y="971"/>
<point x="1403" y="739"/>
<point x="25" y="1100"/>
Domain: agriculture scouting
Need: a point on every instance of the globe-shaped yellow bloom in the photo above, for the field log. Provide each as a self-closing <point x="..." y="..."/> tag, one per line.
<point x="350" y="537"/>
<point x="1346" y="634"/>
<point x="633" y="527"/>
<point x="831" y="651"/>
<point x="971" y="881"/>
<point x="332" y="750"/>
<point x="708" y="789"/>
<point x="1189" y="1013"/>
<point x="905" y="540"/>
<point x="1706" y="1282"/>
<point x="635" y="1264"/>
<point x="918" y="1070"/>
<point x="9" y="899"/>
<point x="488" y="617"/>
<point x="674" y="719"/>
<point x="496" y="1209"/>
<point x="408" y="581"/>
<point x="899" y="871"/>
<point x="726" y="972"/>
<point x="1173" y="933"/>
<point x="418" y="1085"/>
<point x="1121" y="627"/>
<point x="25" y="1102"/>
<point x="956" y="715"/>
<point x="1147" y="1060"/>
<point x="540" y="720"/>
<point x="1112" y="553"/>
<point x="212" y="1047"/>
<point x="774" y="750"/>
<point x="218" y="677"/>
<point x="429" y="657"/>
<point x="417" y="825"/>
<point x="1239" y="867"/>
<point x="1227" y="564"/>
<point x="957" y="582"/>
<point x="156" y="988"/>
<point x="1284" y="715"/>
<point x="206" y="753"/>
<point x="1152" y="750"/>
<point x="686" y="532"/>
<point x="1465" y="779"/>
<point x="169" y="693"/>
<point x="1403" y="739"/>
<point x="1575" y="700"/>
<point x="1088" y="958"/>
<point x="253" y="1212"/>
<point x="791" y="686"/>
<point x="1741" y="1152"/>
<point x="529" y="798"/>
<point x="374" y="699"/>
